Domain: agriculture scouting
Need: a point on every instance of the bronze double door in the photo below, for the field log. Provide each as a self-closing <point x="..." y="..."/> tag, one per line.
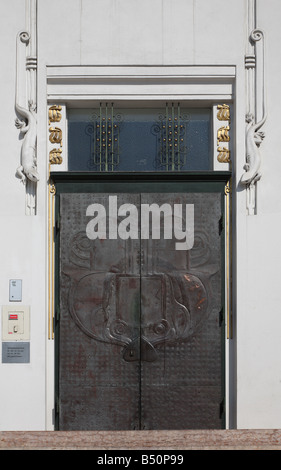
<point x="141" y="323"/>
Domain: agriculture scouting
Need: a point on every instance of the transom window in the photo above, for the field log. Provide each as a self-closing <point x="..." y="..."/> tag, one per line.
<point x="110" y="139"/>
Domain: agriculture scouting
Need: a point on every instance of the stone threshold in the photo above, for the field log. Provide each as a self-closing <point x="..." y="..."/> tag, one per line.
<point x="260" y="439"/>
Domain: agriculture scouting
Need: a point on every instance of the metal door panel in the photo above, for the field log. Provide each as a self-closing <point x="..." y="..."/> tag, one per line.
<point x="98" y="389"/>
<point x="140" y="338"/>
<point x="182" y="388"/>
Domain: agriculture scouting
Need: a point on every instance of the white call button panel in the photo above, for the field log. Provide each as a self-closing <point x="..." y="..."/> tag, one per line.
<point x="15" y="323"/>
<point x="15" y="291"/>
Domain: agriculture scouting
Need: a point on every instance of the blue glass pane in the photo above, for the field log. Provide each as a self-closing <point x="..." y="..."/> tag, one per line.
<point x="169" y="139"/>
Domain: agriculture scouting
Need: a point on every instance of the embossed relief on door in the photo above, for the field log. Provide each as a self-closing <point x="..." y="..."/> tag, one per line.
<point x="140" y="333"/>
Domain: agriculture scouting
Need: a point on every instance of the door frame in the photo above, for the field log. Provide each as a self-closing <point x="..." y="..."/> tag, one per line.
<point x="82" y="182"/>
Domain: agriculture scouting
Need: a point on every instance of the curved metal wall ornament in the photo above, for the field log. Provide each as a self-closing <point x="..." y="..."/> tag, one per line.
<point x="28" y="126"/>
<point x="254" y="136"/>
<point x="25" y="107"/>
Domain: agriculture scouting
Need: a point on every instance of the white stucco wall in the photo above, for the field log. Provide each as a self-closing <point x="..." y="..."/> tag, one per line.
<point x="147" y="33"/>
<point x="258" y="311"/>
<point x="23" y="249"/>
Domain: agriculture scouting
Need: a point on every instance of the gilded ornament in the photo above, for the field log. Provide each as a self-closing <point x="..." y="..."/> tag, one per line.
<point x="55" y="113"/>
<point x="55" y="135"/>
<point x="55" y="157"/>
<point x="227" y="189"/>
<point x="224" y="155"/>
<point x="223" y="134"/>
<point x="52" y="189"/>
<point x="223" y="112"/>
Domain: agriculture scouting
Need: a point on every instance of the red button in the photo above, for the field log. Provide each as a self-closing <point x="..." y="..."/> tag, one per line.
<point x="13" y="316"/>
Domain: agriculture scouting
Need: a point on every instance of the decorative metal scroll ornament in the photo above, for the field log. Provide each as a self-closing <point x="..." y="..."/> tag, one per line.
<point x="104" y="133"/>
<point x="254" y="136"/>
<point x="28" y="127"/>
<point x="171" y="132"/>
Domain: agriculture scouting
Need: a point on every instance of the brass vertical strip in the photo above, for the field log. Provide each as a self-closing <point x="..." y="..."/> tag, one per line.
<point x="50" y="268"/>
<point x="55" y="158"/>
<point x="228" y="261"/>
<point x="51" y="248"/>
<point x="53" y="191"/>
